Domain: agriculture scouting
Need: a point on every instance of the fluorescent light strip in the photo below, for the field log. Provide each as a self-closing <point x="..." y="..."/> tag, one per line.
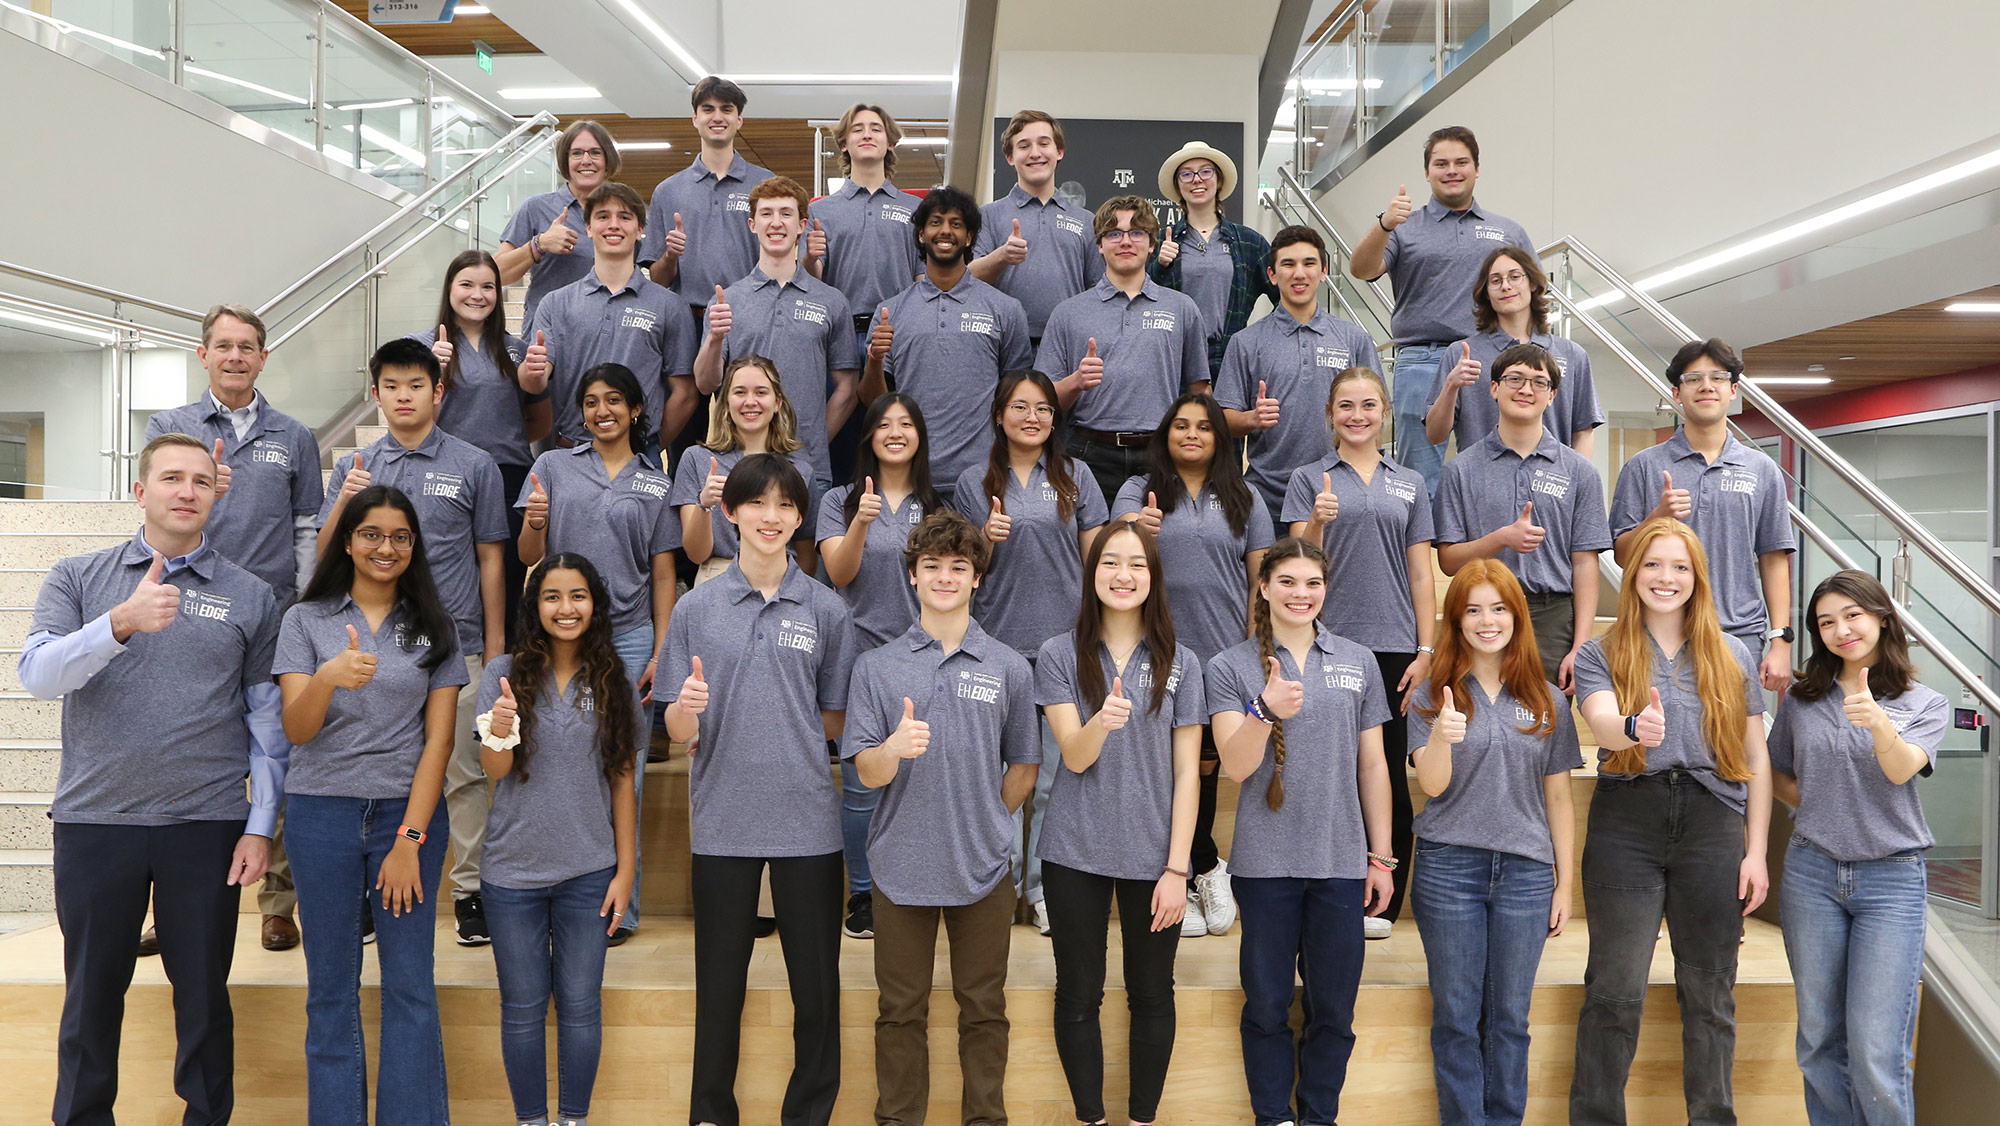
<point x="471" y="10"/>
<point x="652" y="27"/>
<point x="549" y="93"/>
<point x="1973" y="307"/>
<point x="1790" y="380"/>
<point x="644" y="146"/>
<point x="389" y="104"/>
<point x="924" y="142"/>
<point x="246" y="84"/>
<point x="58" y="326"/>
<point x="1943" y="177"/>
<point x="842" y="79"/>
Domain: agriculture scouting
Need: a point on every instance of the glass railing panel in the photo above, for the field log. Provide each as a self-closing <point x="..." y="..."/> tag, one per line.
<point x="138" y="31"/>
<point x="254" y="57"/>
<point x="373" y="106"/>
<point x="315" y="373"/>
<point x="1400" y="58"/>
<point x="487" y="219"/>
<point x="410" y="288"/>
<point x="57" y="384"/>
<point x="1326" y="112"/>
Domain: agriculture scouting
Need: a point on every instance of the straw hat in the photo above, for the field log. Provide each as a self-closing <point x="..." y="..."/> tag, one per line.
<point x="1225" y="169"/>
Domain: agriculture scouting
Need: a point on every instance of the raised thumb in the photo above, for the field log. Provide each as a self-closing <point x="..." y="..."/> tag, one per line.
<point x="909" y="711"/>
<point x="1017" y="228"/>
<point x="1326" y="482"/>
<point x="718" y="296"/>
<point x="1527" y="509"/>
<point x="996" y="507"/>
<point x="541" y="339"/>
<point x="353" y="638"/>
<point x="885" y="314"/>
<point x="357" y="461"/>
<point x="1152" y="501"/>
<point x="677" y="220"/>
<point x="1092" y="349"/>
<point x="535" y="480"/>
<point x="1402" y="189"/>
<point x="868" y="486"/>
<point x="1668" y="487"/>
<point x="697" y="667"/>
<point x="1271" y="663"/>
<point x="1260" y="390"/>
<point x="1864" y="683"/>
<point x="217" y="452"/>
<point x="1447" y="697"/>
<point x="506" y="689"/>
<point x="1656" y="699"/>
<point x="714" y="467"/>
<point x="443" y="337"/>
<point x="1117" y="686"/>
<point x="158" y="568"/>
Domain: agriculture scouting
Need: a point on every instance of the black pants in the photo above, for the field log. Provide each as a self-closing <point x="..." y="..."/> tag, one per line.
<point x="1396" y="750"/>
<point x="807" y="894"/>
<point x="1079" y="921"/>
<point x="1111" y="465"/>
<point x="512" y="477"/>
<point x="104" y="875"/>
<point x="1202" y="853"/>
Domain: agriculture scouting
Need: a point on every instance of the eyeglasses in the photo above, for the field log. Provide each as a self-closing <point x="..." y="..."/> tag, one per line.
<point x="1516" y="382"/>
<point x="1512" y="277"/>
<point x="1022" y="409"/>
<point x="594" y="154"/>
<point x="1195" y="175"/>
<point x="1704" y="379"/>
<point x="1127" y="236"/>
<point x="370" y="538"/>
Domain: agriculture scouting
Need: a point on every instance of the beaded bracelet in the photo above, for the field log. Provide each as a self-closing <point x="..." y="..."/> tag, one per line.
<point x="1386" y="863"/>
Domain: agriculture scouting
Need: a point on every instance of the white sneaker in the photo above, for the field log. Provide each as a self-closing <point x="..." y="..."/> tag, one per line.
<point x="1218" y="900"/>
<point x="1195" y="923"/>
<point x="1042" y="918"/>
<point x="1375" y="926"/>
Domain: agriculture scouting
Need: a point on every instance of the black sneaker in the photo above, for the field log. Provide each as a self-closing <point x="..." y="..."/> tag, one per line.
<point x="767" y="926"/>
<point x="471" y="921"/>
<point x="367" y="925"/>
<point x="860" y="916"/>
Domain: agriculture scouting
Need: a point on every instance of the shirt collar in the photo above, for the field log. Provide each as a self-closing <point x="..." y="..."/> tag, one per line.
<point x="387" y="444"/>
<point x="251" y="413"/>
<point x="1022" y="197"/>
<point x="1733" y="451"/>
<point x="929" y="291"/>
<point x="758" y="279"/>
<point x="1388" y="463"/>
<point x="1439" y="212"/>
<point x="1547" y="449"/>
<point x="632" y="284"/>
<point x="791" y="588"/>
<point x="739" y="169"/>
<point x="976" y="644"/>
<point x="1319" y="324"/>
<point x="1105" y="290"/>
<point x="138" y="551"/>
<point x="850" y="190"/>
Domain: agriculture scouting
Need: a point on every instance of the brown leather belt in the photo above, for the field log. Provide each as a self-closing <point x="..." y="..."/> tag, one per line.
<point x="1123" y="439"/>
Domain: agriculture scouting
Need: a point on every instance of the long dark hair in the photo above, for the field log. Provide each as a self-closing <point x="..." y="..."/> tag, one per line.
<point x="1155" y="617"/>
<point x="866" y="464"/>
<point x="1225" y="475"/>
<point x="1055" y="460"/>
<point x="492" y="335"/>
<point x="416" y="593"/>
<point x="1291" y="547"/>
<point x="597" y="663"/>
<point x="1892" y="672"/>
<point x="620" y="379"/>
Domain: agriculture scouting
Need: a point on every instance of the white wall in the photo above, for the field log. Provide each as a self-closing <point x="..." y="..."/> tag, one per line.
<point x="70" y="390"/>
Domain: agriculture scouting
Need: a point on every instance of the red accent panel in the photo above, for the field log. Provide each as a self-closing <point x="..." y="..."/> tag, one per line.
<point x="1888" y="400"/>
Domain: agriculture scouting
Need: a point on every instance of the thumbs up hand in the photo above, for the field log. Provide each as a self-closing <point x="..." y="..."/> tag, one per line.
<point x="1015" y="250"/>
<point x="537" y="512"/>
<point x="1267" y="409"/>
<point x="869" y="506"/>
<point x="1450" y="722"/>
<point x="711" y="487"/>
<point x="1464" y="373"/>
<point x="1861" y="709"/>
<point x="1398" y="210"/>
<point x="1652" y="725"/>
<point x="1169" y="248"/>
<point x="998" y="524"/>
<point x="677" y="239"/>
<point x="1090" y="369"/>
<point x="1283" y="697"/>
<point x="1523" y="535"/>
<point x="693" y="699"/>
<point x="718" y="314"/>
<point x="1326" y="502"/>
<point x="536" y="366"/>
<point x="559" y="238"/>
<point x="150" y="608"/>
<point x="1674" y="503"/>
<point x="816" y="242"/>
<point x="504" y="709"/>
<point x="441" y="347"/>
<point x="1116" y="710"/>
<point x="356" y="480"/>
<point x="222" y="472"/>
<point x="1150" y="516"/>
<point x="881" y="337"/>
<point x="912" y="736"/>
<point x="350" y="668"/>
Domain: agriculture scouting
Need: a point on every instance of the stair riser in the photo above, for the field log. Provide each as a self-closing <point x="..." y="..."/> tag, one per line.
<point x="40" y="552"/>
<point x="23" y="718"/>
<point x="86" y="516"/>
<point x="24" y="826"/>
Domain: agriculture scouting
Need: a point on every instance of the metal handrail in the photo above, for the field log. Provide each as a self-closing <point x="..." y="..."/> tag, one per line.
<point x="99" y="322"/>
<point x="1905" y="524"/>
<point x="1333" y="25"/>
<point x="541" y="120"/>
<point x="460" y="90"/>
<point x="1327" y="228"/>
<point x="98" y="291"/>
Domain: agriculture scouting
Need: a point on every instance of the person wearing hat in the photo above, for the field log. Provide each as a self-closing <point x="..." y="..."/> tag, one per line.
<point x="1218" y="263"/>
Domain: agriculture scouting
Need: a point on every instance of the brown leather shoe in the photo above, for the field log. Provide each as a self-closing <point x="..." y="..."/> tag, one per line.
<point x="280" y="933"/>
<point x="149" y="943"/>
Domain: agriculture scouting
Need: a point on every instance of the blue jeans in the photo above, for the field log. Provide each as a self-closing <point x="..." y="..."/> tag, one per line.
<point x="1028" y="822"/>
<point x="1418" y="367"/>
<point x="1313" y="926"/>
<point x="635" y="648"/>
<point x="549" y="942"/>
<point x="1484" y="916"/>
<point x="857" y="809"/>
<point x="337" y="846"/>
<point x="1854" y="933"/>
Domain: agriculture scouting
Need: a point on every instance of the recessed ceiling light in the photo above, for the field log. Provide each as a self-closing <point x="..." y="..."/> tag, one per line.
<point x="1850" y="357"/>
<point x="841" y="79"/>
<point x="1815" y="367"/>
<point x="652" y="27"/>
<point x="1973" y="307"/>
<point x="1789" y="380"/>
<point x="548" y="93"/>
<point x="471" y="10"/>
<point x="924" y="142"/>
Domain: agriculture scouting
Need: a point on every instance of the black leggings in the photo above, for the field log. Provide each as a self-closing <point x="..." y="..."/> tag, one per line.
<point x="1202" y="854"/>
<point x="1079" y="921"/>
<point x="1396" y="751"/>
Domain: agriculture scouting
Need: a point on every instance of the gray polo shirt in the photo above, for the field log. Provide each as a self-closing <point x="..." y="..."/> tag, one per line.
<point x="273" y="477"/>
<point x="1062" y="252"/>
<point x="805" y="326"/>
<point x="555" y="826"/>
<point x="715" y="216"/>
<point x="871" y="250"/>
<point x="1561" y="483"/>
<point x="1369" y="545"/>
<point x="1207" y="580"/>
<point x="692" y="473"/>
<point x="643" y="326"/>
<point x="1846" y="806"/>
<point x="1495" y="800"/>
<point x="460" y="503"/>
<point x="1736" y="505"/>
<point x="1116" y="818"/>
<point x="942" y="833"/>
<point x="758" y="783"/>
<point x="484" y="407"/>
<point x="619" y="525"/>
<point x="951" y="348"/>
<point x="1318" y="833"/>
<point x="1208" y="269"/>
<point x="883" y="602"/>
<point x="1153" y="345"/>
<point x="553" y="271"/>
<point x="1574" y="411"/>
<point x="1683" y="748"/>
<point x="374" y="735"/>
<point x="1297" y="362"/>
<point x="1433" y="262"/>
<point x="1030" y="591"/>
<point x="158" y="735"/>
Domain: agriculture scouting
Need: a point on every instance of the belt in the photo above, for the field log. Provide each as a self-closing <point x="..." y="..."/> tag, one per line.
<point x="564" y="443"/>
<point x="862" y="320"/>
<point x="1123" y="439"/>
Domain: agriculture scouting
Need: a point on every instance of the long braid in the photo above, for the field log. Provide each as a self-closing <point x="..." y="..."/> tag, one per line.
<point x="1267" y="646"/>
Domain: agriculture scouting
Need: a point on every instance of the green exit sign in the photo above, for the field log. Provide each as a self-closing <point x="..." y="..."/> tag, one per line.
<point x="484" y="54"/>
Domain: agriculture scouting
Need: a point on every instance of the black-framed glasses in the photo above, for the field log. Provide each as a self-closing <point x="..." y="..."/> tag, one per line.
<point x="1516" y="382"/>
<point x="1195" y="175"/>
<point x="371" y="538"/>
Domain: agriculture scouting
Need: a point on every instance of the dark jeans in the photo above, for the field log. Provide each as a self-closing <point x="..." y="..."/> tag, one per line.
<point x="1658" y="845"/>
<point x="338" y="845"/>
<point x="806" y="892"/>
<point x="548" y="942"/>
<point x="1313" y="928"/>
<point x="104" y="875"/>
<point x="1396" y="752"/>
<point x="1484" y="916"/>
<point x="1111" y="465"/>
<point x="1079" y="922"/>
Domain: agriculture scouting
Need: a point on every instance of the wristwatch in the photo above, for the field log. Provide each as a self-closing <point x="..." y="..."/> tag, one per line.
<point x="1426" y="649"/>
<point x="1781" y="633"/>
<point x="406" y="831"/>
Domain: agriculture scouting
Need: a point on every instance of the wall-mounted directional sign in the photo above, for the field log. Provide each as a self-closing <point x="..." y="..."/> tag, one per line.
<point x="410" y="11"/>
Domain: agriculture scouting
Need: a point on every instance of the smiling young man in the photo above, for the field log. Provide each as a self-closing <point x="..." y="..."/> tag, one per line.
<point x="695" y="235"/>
<point x="870" y="255"/>
<point x="1432" y="256"/>
<point x="615" y="315"/>
<point x="1536" y="505"/>
<point x="1130" y="347"/>
<point x="161" y="650"/>
<point x="1278" y="371"/>
<point x="942" y="721"/>
<point x="782" y="312"/>
<point x="461" y="506"/>
<point x="946" y="339"/>
<point x="1731" y="494"/>
<point x="1035" y="245"/>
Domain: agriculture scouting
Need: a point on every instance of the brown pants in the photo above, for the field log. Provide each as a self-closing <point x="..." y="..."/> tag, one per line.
<point x="905" y="953"/>
<point x="1554" y="616"/>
